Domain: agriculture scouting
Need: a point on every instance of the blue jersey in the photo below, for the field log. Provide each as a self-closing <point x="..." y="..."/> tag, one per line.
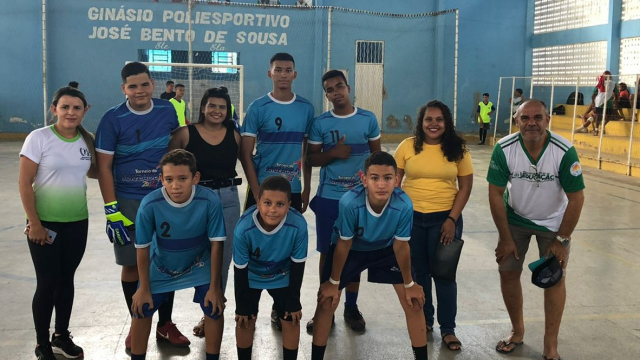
<point x="269" y="253"/>
<point x="137" y="140"/>
<point x="181" y="236"/>
<point x="279" y="128"/>
<point x="341" y="175"/>
<point x="368" y="230"/>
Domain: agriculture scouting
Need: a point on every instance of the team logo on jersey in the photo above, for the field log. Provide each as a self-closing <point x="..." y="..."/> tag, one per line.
<point x="576" y="169"/>
<point x="291" y="172"/>
<point x="85" y="154"/>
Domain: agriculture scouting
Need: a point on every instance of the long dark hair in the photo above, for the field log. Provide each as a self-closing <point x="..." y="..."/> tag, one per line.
<point x="452" y="144"/>
<point x="220" y="92"/>
<point x="87" y="136"/>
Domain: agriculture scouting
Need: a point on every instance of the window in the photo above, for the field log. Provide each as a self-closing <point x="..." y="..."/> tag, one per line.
<point x="159" y="56"/>
<point x="224" y="58"/>
<point x="558" y="15"/>
<point x="629" y="60"/>
<point x="630" y="10"/>
<point x="571" y="60"/>
<point x="369" y="52"/>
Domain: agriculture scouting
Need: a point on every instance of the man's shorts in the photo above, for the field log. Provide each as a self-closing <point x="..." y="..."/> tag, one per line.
<point x="326" y="211"/>
<point x="609" y="113"/>
<point x="198" y="297"/>
<point x="381" y="264"/>
<point x="279" y="296"/>
<point x="485" y="125"/>
<point x="126" y="255"/>
<point x="296" y="200"/>
<point x="522" y="237"/>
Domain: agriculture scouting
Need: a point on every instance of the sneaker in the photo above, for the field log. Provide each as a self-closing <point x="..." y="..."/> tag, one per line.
<point x="169" y="332"/>
<point x="44" y="352"/>
<point x="583" y="130"/>
<point x="276" y="319"/>
<point x="310" y="324"/>
<point x="127" y="341"/>
<point x="64" y="346"/>
<point x="354" y="318"/>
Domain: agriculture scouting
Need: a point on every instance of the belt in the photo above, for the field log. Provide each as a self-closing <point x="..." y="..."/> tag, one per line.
<point x="220" y="183"/>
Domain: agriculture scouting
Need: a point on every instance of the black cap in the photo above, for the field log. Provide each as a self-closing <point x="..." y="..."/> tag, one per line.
<point x="547" y="274"/>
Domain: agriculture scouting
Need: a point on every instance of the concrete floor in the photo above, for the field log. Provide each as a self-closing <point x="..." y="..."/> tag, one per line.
<point x="602" y="316"/>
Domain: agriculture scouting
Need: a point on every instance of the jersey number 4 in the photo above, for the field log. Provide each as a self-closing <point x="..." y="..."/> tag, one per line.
<point x="255" y="254"/>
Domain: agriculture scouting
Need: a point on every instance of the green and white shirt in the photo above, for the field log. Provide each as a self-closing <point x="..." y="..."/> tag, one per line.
<point x="60" y="185"/>
<point x="536" y="191"/>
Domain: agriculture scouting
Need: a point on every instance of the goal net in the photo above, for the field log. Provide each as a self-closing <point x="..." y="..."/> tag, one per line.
<point x="197" y="78"/>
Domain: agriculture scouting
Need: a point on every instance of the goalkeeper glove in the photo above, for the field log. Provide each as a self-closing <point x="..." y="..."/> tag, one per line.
<point x="117" y="224"/>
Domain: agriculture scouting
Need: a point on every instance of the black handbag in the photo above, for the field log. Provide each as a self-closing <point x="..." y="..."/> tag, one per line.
<point x="446" y="260"/>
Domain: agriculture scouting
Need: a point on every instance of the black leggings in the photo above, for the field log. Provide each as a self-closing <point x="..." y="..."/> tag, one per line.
<point x="55" y="266"/>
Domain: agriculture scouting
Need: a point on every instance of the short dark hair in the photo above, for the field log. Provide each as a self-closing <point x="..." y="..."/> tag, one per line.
<point x="333" y="74"/>
<point x="179" y="157"/>
<point x="179" y="86"/>
<point x="217" y="92"/>
<point x="485" y="94"/>
<point x="134" y="68"/>
<point x="380" y="158"/>
<point x="74" y="84"/>
<point x="170" y="82"/>
<point x="519" y="91"/>
<point x="276" y="183"/>
<point x="282" y="57"/>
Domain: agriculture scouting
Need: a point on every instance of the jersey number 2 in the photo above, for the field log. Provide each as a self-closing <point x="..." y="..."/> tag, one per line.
<point x="165" y="227"/>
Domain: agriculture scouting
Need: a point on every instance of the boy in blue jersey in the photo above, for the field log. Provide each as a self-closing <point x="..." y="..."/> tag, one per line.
<point x="269" y="252"/>
<point x="184" y="222"/>
<point x="339" y="142"/>
<point x="278" y="124"/>
<point x="130" y="141"/>
<point x="372" y="232"/>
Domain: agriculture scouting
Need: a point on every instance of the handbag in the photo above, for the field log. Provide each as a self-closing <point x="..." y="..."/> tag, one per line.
<point x="446" y="260"/>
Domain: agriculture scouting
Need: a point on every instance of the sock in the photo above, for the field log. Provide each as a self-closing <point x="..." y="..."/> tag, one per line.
<point x="139" y="357"/>
<point x="213" y="356"/>
<point x="245" y="353"/>
<point x="166" y="309"/>
<point x="128" y="289"/>
<point x="419" y="353"/>
<point x="350" y="299"/>
<point x="484" y="135"/>
<point x="317" y="352"/>
<point x="288" y="354"/>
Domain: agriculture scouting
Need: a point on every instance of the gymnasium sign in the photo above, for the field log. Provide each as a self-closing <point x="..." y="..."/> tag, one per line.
<point x="114" y="24"/>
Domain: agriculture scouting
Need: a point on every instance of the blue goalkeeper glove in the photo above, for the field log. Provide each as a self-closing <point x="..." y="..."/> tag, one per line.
<point x="117" y="224"/>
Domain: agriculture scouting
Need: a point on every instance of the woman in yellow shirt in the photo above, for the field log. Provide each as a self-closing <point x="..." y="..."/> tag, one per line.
<point x="438" y="176"/>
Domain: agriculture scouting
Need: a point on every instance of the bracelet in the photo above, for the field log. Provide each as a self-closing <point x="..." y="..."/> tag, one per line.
<point x="334" y="282"/>
<point x="452" y="219"/>
<point x="406" y="286"/>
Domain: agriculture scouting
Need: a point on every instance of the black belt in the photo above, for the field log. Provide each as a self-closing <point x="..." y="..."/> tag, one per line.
<point x="220" y="183"/>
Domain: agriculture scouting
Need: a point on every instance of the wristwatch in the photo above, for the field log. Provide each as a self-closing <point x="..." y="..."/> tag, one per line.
<point x="564" y="241"/>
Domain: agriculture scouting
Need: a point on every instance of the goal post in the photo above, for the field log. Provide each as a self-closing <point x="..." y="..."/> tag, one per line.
<point x="197" y="78"/>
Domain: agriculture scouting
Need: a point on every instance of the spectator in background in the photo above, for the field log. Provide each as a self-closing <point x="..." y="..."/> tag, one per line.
<point x="168" y="93"/>
<point x="624" y="102"/>
<point x="605" y="91"/>
<point x="516" y="100"/>
<point x="180" y="105"/>
<point x="483" y="114"/>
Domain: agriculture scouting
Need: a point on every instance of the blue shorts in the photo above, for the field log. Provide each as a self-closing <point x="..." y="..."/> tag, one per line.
<point x="198" y="297"/>
<point x="382" y="265"/>
<point x="326" y="211"/>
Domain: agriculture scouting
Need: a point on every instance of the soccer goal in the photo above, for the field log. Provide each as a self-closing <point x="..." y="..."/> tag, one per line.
<point x="197" y="78"/>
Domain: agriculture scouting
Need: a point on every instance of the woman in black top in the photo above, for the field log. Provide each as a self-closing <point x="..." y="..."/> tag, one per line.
<point x="214" y="141"/>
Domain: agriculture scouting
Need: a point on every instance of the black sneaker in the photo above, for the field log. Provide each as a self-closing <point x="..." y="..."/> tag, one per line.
<point x="64" y="346"/>
<point x="44" y="352"/>
<point x="354" y="318"/>
<point x="276" y="319"/>
<point x="310" y="324"/>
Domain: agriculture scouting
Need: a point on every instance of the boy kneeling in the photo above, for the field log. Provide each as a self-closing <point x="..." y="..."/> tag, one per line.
<point x="269" y="252"/>
<point x="372" y="232"/>
<point x="185" y="223"/>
